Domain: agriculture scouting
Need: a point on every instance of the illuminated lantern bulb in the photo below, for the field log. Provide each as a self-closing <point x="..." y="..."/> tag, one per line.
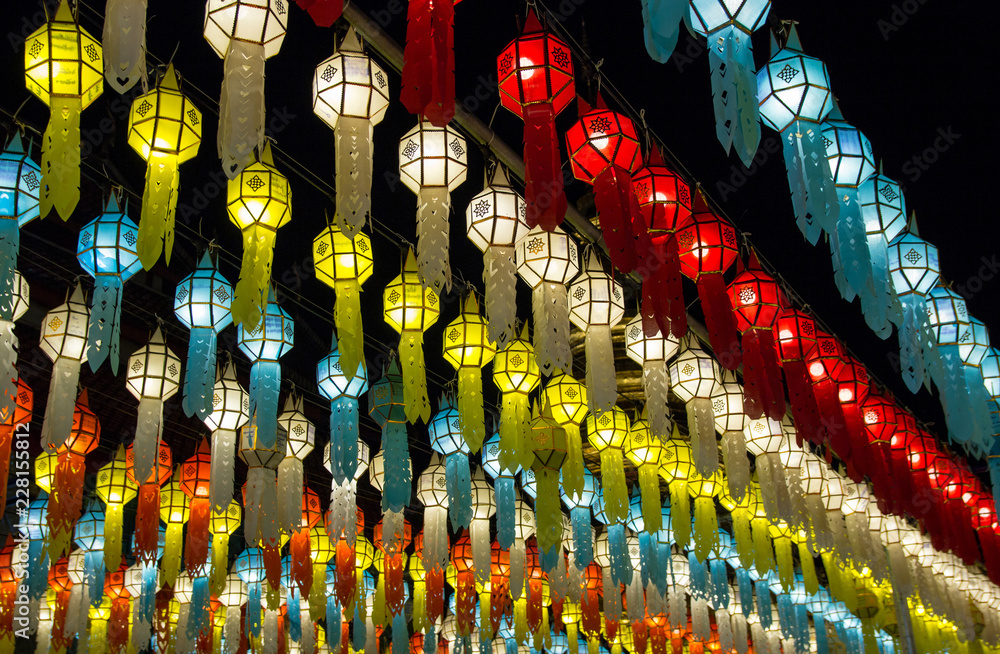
<point x="727" y="405"/>
<point x="694" y="376"/>
<point x="645" y="452"/>
<point x="154" y="375"/>
<point x="62" y="67"/>
<point x="19" y="190"/>
<point x="433" y="163"/>
<point x="607" y="433"/>
<point x="596" y="304"/>
<point x="467" y="347"/>
<point x="230" y="412"/>
<point x="567" y="399"/>
<point x="547" y="261"/>
<point x="301" y="441"/>
<point x="350" y="94"/>
<point x="164" y="128"/>
<point x="515" y="373"/>
<point x="652" y="352"/>
<point x="115" y="489"/>
<point x="549" y="447"/>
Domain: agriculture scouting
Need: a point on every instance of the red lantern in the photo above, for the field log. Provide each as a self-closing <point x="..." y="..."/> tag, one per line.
<point x="984" y="520"/>
<point x="465" y="585"/>
<point x="879" y="415"/>
<point x="535" y="73"/>
<point x="852" y="391"/>
<point x="61" y="585"/>
<point x="323" y="12"/>
<point x="500" y="605"/>
<point x="604" y="151"/>
<point x="66" y="502"/>
<point x="825" y="367"/>
<point x="590" y="598"/>
<point x="665" y="205"/>
<point x="118" y="623"/>
<point x="707" y="248"/>
<point x="195" y="480"/>
<point x="300" y="547"/>
<point x="796" y="341"/>
<point x="392" y="562"/>
<point x="147" y="513"/>
<point x="756" y="299"/>
<point x="944" y="476"/>
<point x="429" y="61"/>
<point x="9" y="420"/>
<point x="903" y="477"/>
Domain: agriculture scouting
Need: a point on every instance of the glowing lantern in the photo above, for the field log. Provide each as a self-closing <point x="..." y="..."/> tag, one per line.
<point x="67" y="485"/>
<point x="446" y="435"/>
<point x="795" y="336"/>
<point x="468" y="348"/>
<point x="825" y="365"/>
<point x="651" y="351"/>
<point x="608" y="433"/>
<point x="222" y="526"/>
<point x="431" y="492"/>
<point x="879" y="415"/>
<point x="153" y="376"/>
<point x="115" y="489"/>
<point x="504" y="489"/>
<point x="568" y="401"/>
<point x="350" y="95"/>
<point x="728" y="26"/>
<point x="62" y="66"/>
<point x="106" y="250"/>
<point x="794" y="96"/>
<point x="764" y="438"/>
<point x="665" y="205"/>
<point x="515" y="373"/>
<point x="148" y="509"/>
<point x="230" y="411"/>
<point x="259" y="202"/>
<point x="707" y="248"/>
<point x="345" y="264"/>
<point x="535" y="73"/>
<point x="411" y="308"/>
<point x="727" y="405"/>
<point x="262" y="449"/>
<point x="579" y="512"/>
<point x="174" y="510"/>
<point x="596" y="304"/>
<point x="343" y="389"/>
<point x="549" y="440"/>
<point x="164" y="127"/>
<point x="883" y="209"/>
<point x="432" y="164"/>
<point x="604" y="151"/>
<point x="89" y="538"/>
<point x="694" y="376"/>
<point x="301" y="441"/>
<point x="706" y="526"/>
<point x="645" y="452"/>
<point x="677" y="468"/>
<point x="547" y="261"/>
<point x="483" y="508"/>
<point x="249" y="565"/>
<point x="20" y="178"/>
<point x="194" y="482"/>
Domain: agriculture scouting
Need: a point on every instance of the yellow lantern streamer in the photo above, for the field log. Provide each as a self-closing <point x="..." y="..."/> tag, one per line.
<point x="174" y="510"/>
<point x="646" y="452"/>
<point x="223" y="524"/>
<point x="515" y="373"/>
<point x="568" y="400"/>
<point x="607" y="433"/>
<point x="760" y="529"/>
<point x="321" y="552"/>
<point x="345" y="264"/>
<point x="115" y="489"/>
<point x="63" y="66"/>
<point x="549" y="455"/>
<point x="677" y="468"/>
<point x="259" y="202"/>
<point x="411" y="309"/>
<point x="742" y="512"/>
<point x="468" y="348"/>
<point x="809" y="578"/>
<point x="416" y="570"/>
<point x="706" y="521"/>
<point x="781" y="535"/>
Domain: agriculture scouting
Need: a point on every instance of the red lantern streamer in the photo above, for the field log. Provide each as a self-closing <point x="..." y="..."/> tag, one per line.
<point x="535" y="73"/>
<point x="824" y="368"/>
<point x="429" y="61"/>
<point x="756" y="299"/>
<point x="590" y="610"/>
<point x="640" y="635"/>
<point x="500" y="601"/>
<point x="60" y="582"/>
<point x="879" y="415"/>
<point x="323" y="12"/>
<point x="147" y="513"/>
<point x="435" y="593"/>
<point x="852" y="392"/>
<point x="903" y="477"/>
<point x="9" y="420"/>
<point x="66" y="502"/>
<point x="118" y="622"/>
<point x="604" y="151"/>
<point x="346" y="578"/>
<point x="195" y="480"/>
<point x="665" y="205"/>
<point x="465" y="584"/>
<point x="796" y="333"/>
<point x="533" y="575"/>
<point x="707" y="248"/>
<point x="984" y="519"/>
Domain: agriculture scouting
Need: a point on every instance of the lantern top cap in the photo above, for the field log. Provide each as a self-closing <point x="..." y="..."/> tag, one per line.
<point x="911" y="225"/>
<point x="531" y="23"/>
<point x="206" y="261"/>
<point x="351" y="42"/>
<point x="63" y="13"/>
<point x="15" y="146"/>
<point x="169" y="80"/>
<point x="77" y="295"/>
<point x="471" y="304"/>
<point x="410" y="265"/>
<point x="655" y="156"/>
<point x="112" y="205"/>
<point x="157" y="337"/>
<point x="265" y="155"/>
<point x="499" y="177"/>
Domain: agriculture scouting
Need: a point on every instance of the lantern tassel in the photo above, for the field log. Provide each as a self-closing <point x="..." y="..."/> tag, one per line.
<point x="344" y="419"/>
<point x="572" y="469"/>
<point x="701" y="423"/>
<point x="720" y="320"/>
<point x="104" y="328"/>
<point x="146" y="446"/>
<point x="113" y="518"/>
<point x="354" y="173"/>
<point x="124" y="43"/>
<point x="250" y="295"/>
<point x="396" y="493"/>
<point x="550" y="308"/>
<point x="171" y="564"/>
<point x="613" y="479"/>
<point x="10" y="244"/>
<point x="411" y="358"/>
<point x="721" y="61"/>
<point x="290" y="492"/>
<point x="805" y="411"/>
<point x="548" y="516"/>
<point x="506" y="499"/>
<point x="428" y="87"/>
<point x="470" y="406"/>
<point x="223" y="465"/>
<point x="265" y="388"/>
<point x="199" y="372"/>
<point x="500" y="277"/>
<point x="656" y="385"/>
<point x="459" y="487"/>
<point x="680" y="509"/>
<point x="347" y="319"/>
<point x="763" y="391"/>
<point x="737" y="465"/>
<point x="810" y="180"/>
<point x="510" y="441"/>
<point x="583" y="536"/>
<point x="621" y="564"/>
<point x="855" y="259"/>
<point x="746" y="135"/>
<point x="61" y="157"/>
<point x="602" y="387"/>
<point x="706" y="527"/>
<point x="433" y="259"/>
<point x="198" y="529"/>
<point x="661" y="26"/>
<point x="649" y="485"/>
<point x="616" y="200"/>
<point x="220" y="561"/>
<point x="241" y="107"/>
<point x="479" y="532"/>
<point x="159" y="204"/>
<point x="543" y="179"/>
<point x="147" y="523"/>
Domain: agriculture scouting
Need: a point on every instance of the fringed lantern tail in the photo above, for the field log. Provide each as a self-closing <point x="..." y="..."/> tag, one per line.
<point x="354" y="173"/>
<point x="261" y="488"/>
<point x="199" y="372"/>
<point x="250" y="295"/>
<point x="290" y="482"/>
<point x="805" y="411"/>
<point x="746" y="134"/>
<point x="159" y="201"/>
<point x="855" y="260"/>
<point x="61" y="157"/>
<point x="734" y="453"/>
<point x="720" y="320"/>
<point x="104" y="325"/>
<point x="172" y="550"/>
<point x="615" y="198"/>
<point x="878" y="302"/>
<point x="265" y="389"/>
<point x="656" y="385"/>
<point x="429" y="62"/>
<point x="509" y="433"/>
<point x="10" y="245"/>
<point x="124" y="43"/>
<point x="241" y="107"/>
<point x="672" y="288"/>
<point x="680" y="512"/>
<point x="706" y="527"/>
<point x="763" y="392"/>
<point x="222" y="468"/>
<point x="661" y="27"/>
<point x="911" y="360"/>
<point x="506" y="498"/>
<point x="602" y="386"/>
<point x="550" y="307"/>
<point x="145" y="447"/>
<point x="147" y="523"/>
<point x="548" y="515"/>
<point x="459" y="487"/>
<point x="720" y="60"/>
<point x="572" y="470"/>
<point x="411" y="359"/>
<point x="113" y="525"/>
<point x="701" y="426"/>
<point x="543" y="179"/>
<point x="615" y="490"/>
<point x="470" y="406"/>
<point x="500" y="277"/>
<point x="350" y="332"/>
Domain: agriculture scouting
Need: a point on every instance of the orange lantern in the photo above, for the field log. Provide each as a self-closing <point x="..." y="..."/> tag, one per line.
<point x="9" y="420"/>
<point x="195" y="480"/>
<point x="147" y="514"/>
<point x="66" y="502"/>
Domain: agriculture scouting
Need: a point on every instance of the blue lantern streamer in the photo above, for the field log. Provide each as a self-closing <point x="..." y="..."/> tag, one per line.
<point x="446" y="438"/>
<point x="580" y="519"/>
<point x="294" y="615"/>
<point x="360" y="630"/>
<point x="763" y="602"/>
<point x="648" y="552"/>
<point x="786" y="616"/>
<point x="699" y="576"/>
<point x="343" y="393"/>
<point x="661" y="21"/>
<point x="503" y="489"/>
<point x="200" y="599"/>
<point x="385" y="402"/>
<point x="621" y="564"/>
<point x="249" y="565"/>
<point x="720" y="583"/>
<point x="884" y="211"/>
<point x="400" y="634"/>
<point x="746" y="591"/>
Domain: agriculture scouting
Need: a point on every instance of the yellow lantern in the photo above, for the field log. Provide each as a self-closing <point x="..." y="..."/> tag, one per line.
<point x="467" y="348"/>
<point x="411" y="309"/>
<point x="706" y="523"/>
<point x="115" y="489"/>
<point x="549" y="447"/>
<point x="63" y="67"/>
<point x="174" y="510"/>
<point x="568" y="400"/>
<point x="742" y="512"/>
<point x="781" y="536"/>
<point x="164" y="127"/>
<point x="259" y="202"/>
<point x="222" y="526"/>
<point x="608" y="433"/>
<point x="677" y="467"/>
<point x="345" y="264"/>
<point x="45" y="470"/>
<point x="515" y="373"/>
<point x="646" y="451"/>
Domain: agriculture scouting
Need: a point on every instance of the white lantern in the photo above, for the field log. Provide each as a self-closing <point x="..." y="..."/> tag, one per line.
<point x="432" y="493"/>
<point x="64" y="340"/>
<point x="694" y="375"/>
<point x="301" y="440"/>
<point x="652" y="353"/>
<point x="483" y="508"/>
<point x="730" y="421"/>
<point x="230" y="411"/>
<point x="153" y="376"/>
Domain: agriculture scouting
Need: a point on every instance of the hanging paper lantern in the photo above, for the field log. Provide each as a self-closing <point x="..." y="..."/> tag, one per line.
<point x="694" y="376"/>
<point x="914" y="271"/>
<point x="262" y="449"/>
<point x="345" y="264"/>
<point x="230" y="412"/>
<point x="568" y="399"/>
<point x="468" y="348"/>
<point x="67" y="486"/>
<point x="249" y="565"/>
<point x="665" y="205"/>
<point x="484" y="507"/>
<point x="429" y="62"/>
<point x="9" y="379"/>
<point x="106" y="250"/>
<point x="202" y="303"/>
<point x="124" y="42"/>
<point x="607" y="433"/>
<point x="651" y="351"/>
<point x="707" y="248"/>
<point x="223" y="525"/>
<point x="62" y="66"/>
<point x="350" y="94"/>
<point x="547" y="261"/>
<point x="728" y="26"/>
<point x="604" y="151"/>
<point x="243" y="33"/>
<point x="730" y="421"/>
<point x="795" y="336"/>
<point x="301" y="441"/>
<point x="154" y="375"/>
<point x="148" y="508"/>
<point x="495" y="223"/>
<point x="343" y="390"/>
<point x="646" y="452"/>
<point x="432" y="163"/>
<point x="503" y="481"/>
<point x="387" y="408"/>
<point x="259" y="202"/>
<point x="579" y="511"/>
<point x="515" y="373"/>
<point x="164" y="127"/>
<point x="677" y="468"/>
<point x="879" y="415"/>
<point x="194" y="483"/>
<point x="825" y="366"/>
<point x="447" y="439"/>
<point x="115" y="489"/>
<point x="431" y="491"/>
<point x="706" y="525"/>
<point x="596" y="304"/>
<point x="174" y="511"/>
<point x="549" y="447"/>
<point x="535" y="73"/>
<point x="764" y="438"/>
<point x="20" y="178"/>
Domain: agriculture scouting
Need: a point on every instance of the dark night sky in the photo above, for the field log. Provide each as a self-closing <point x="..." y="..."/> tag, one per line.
<point x="896" y="68"/>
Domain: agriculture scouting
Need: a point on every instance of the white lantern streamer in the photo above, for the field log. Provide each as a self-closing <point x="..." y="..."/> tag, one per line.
<point x="64" y="340"/>
<point x="154" y="375"/>
<point x="730" y="421"/>
<point x="694" y="375"/>
<point x="652" y="353"/>
<point x="301" y="440"/>
<point x="124" y="44"/>
<point x="231" y="406"/>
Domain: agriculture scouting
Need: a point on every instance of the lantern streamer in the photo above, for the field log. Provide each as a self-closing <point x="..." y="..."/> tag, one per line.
<point x="459" y="487"/>
<point x="290" y="494"/>
<point x="550" y="306"/>
<point x="616" y="206"/>
<point x="506" y="510"/>
<point x="602" y="384"/>
<point x="661" y="26"/>
<point x="250" y="297"/>
<point x="61" y="157"/>
<point x="265" y="388"/>
<point x="429" y="62"/>
<point x="656" y="384"/>
<point x="433" y="258"/>
<point x="223" y="466"/>
<point x="500" y="277"/>
<point x="241" y="106"/>
<point x="852" y="242"/>
<point x="701" y="423"/>
<point x="124" y="43"/>
<point x="354" y="140"/>
<point x="814" y="198"/>
<point x="543" y="180"/>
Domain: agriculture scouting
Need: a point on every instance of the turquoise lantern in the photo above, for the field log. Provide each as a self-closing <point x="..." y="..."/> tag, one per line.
<point x="579" y="515"/>
<point x="106" y="250"/>
<point x="249" y="565"/>
<point x="36" y="529"/>
<point x="388" y="408"/>
<point x="20" y="179"/>
<point x="201" y="303"/>
<point x="503" y="488"/>
<point x="883" y="209"/>
<point x="446" y="439"/>
<point x="793" y="90"/>
<point x="89" y="537"/>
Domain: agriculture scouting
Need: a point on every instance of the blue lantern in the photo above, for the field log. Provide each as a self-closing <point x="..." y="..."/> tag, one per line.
<point x="249" y="565"/>
<point x="884" y="211"/>
<point x="728" y="24"/>
<point x="388" y="408"/>
<point x="20" y="179"/>
<point x="201" y="303"/>
<point x="89" y="537"/>
<point x="794" y="93"/>
<point x="503" y="488"/>
<point x="579" y="515"/>
<point x="446" y="438"/>
<point x="36" y="529"/>
<point x="106" y="250"/>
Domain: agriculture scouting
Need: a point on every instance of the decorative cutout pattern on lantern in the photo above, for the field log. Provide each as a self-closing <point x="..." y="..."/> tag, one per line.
<point x="727" y="406"/>
<point x="549" y="447"/>
<point x="694" y="376"/>
<point x="62" y="67"/>
<point x="386" y="404"/>
<point x="64" y="341"/>
<point x="154" y="374"/>
<point x="651" y="351"/>
<point x="12" y="307"/>
<point x="447" y="439"/>
<point x="467" y="347"/>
